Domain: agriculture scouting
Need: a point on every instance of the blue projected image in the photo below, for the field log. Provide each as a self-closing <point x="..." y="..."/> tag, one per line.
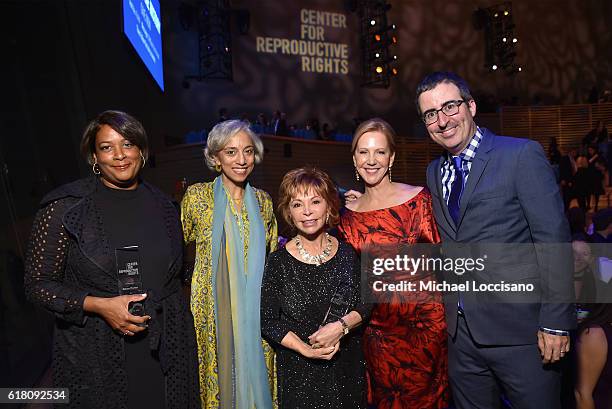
<point x="142" y="26"/>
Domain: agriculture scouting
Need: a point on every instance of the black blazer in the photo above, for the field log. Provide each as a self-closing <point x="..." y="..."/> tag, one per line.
<point x="511" y="210"/>
<point x="69" y="258"/>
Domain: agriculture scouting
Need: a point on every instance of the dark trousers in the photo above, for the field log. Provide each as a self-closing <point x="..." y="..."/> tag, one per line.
<point x="480" y="374"/>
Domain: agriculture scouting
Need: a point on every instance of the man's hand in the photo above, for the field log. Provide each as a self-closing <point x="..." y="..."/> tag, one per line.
<point x="552" y="347"/>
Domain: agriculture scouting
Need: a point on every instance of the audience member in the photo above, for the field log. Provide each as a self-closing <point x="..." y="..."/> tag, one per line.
<point x="593" y="388"/>
<point x="596" y="135"/>
<point x="582" y="184"/>
<point x="584" y="265"/>
<point x="279" y="124"/>
<point x="554" y="154"/>
<point x="577" y="221"/>
<point x="567" y="170"/>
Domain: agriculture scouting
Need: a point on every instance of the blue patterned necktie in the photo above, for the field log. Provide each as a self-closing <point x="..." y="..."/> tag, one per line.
<point x="454" y="198"/>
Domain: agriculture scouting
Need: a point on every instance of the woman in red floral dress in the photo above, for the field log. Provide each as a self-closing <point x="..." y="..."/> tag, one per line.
<point x="405" y="341"/>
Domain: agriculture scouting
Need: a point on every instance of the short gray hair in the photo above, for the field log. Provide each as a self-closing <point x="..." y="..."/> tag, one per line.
<point x="220" y="135"/>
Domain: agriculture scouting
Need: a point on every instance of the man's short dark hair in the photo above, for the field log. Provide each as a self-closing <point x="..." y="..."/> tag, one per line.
<point x="435" y="78"/>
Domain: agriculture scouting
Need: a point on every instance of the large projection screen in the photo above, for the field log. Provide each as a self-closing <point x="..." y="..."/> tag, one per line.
<point x="142" y="27"/>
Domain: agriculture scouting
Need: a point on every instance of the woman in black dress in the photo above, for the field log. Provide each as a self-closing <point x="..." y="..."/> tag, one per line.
<point x="128" y="347"/>
<point x="319" y="358"/>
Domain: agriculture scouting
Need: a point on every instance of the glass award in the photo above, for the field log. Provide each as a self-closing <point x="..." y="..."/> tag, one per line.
<point x="128" y="273"/>
<point x="340" y="303"/>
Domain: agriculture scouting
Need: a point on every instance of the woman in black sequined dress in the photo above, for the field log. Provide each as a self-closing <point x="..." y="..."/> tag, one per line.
<point x="319" y="366"/>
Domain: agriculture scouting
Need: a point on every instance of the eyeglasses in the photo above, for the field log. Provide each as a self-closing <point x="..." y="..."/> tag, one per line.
<point x="449" y="109"/>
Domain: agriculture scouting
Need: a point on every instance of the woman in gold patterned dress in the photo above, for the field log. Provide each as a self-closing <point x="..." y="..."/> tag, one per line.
<point x="234" y="228"/>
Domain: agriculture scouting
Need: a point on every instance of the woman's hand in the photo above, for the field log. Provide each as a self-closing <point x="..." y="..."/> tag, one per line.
<point x="352" y="195"/>
<point x="115" y="312"/>
<point x="325" y="353"/>
<point x="327" y="336"/>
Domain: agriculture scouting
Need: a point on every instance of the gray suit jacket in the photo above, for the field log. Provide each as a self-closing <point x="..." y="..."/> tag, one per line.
<point x="511" y="210"/>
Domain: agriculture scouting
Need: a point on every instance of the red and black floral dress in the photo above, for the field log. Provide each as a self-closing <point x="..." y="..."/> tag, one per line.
<point x="405" y="341"/>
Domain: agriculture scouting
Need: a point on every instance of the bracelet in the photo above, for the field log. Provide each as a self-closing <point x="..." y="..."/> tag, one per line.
<point x="345" y="327"/>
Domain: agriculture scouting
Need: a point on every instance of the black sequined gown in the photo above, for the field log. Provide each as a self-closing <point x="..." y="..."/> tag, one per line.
<point x="295" y="297"/>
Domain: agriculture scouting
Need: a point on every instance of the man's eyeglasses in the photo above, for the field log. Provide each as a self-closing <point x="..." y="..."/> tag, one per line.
<point x="449" y="109"/>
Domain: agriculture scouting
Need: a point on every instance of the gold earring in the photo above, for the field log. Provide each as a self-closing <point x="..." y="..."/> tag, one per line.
<point x="144" y="161"/>
<point x="327" y="219"/>
<point x="218" y="168"/>
<point x="95" y="168"/>
<point x="390" y="166"/>
<point x="356" y="174"/>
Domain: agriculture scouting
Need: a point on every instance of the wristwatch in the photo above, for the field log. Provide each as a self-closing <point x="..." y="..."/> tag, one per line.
<point x="345" y="327"/>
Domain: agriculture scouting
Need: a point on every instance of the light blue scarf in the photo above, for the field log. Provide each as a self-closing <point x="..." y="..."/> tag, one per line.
<point x="252" y="389"/>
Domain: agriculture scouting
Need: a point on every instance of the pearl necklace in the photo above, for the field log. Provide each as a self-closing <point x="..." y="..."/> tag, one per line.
<point x="317" y="259"/>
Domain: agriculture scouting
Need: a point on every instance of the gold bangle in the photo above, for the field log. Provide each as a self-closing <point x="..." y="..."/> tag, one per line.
<point x="345" y="327"/>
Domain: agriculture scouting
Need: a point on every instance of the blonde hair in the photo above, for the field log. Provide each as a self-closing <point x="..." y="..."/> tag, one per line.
<point x="582" y="162"/>
<point x="374" y="125"/>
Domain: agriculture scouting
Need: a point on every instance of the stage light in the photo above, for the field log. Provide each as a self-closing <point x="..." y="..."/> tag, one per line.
<point x="377" y="37"/>
<point x="506" y="12"/>
<point x="227" y="49"/>
<point x="394" y="71"/>
<point x="377" y="55"/>
<point x="379" y="69"/>
<point x="394" y="40"/>
<point x="520" y="69"/>
<point x="372" y="22"/>
<point x="393" y="26"/>
<point x="209" y="47"/>
<point x="494" y="67"/>
<point x="514" y="40"/>
<point x="504" y="39"/>
<point x="395" y="57"/>
<point x="496" y="15"/>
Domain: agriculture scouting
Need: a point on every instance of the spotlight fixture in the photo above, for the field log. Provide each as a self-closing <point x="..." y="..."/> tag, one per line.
<point x="214" y="41"/>
<point x="377" y="36"/>
<point x="500" y="40"/>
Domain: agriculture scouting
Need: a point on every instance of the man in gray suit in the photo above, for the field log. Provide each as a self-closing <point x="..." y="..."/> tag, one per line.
<point x="489" y="193"/>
